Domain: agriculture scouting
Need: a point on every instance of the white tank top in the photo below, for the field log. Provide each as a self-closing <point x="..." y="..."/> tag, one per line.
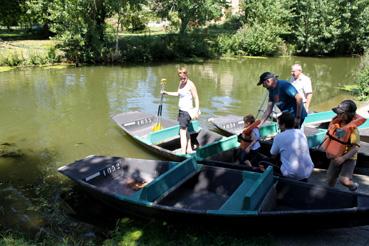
<point x="185" y="98"/>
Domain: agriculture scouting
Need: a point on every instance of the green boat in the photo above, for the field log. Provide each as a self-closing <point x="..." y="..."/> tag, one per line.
<point x="189" y="192"/>
<point x="208" y="145"/>
<point x="233" y="125"/>
<point x="166" y="142"/>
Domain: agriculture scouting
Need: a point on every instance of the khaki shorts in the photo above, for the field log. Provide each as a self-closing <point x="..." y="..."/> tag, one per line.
<point x="346" y="169"/>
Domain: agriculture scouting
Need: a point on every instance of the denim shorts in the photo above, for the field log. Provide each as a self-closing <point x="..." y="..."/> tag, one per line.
<point x="184" y="119"/>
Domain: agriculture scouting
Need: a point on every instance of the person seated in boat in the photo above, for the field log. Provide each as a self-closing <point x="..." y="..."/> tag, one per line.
<point x="292" y="147"/>
<point x="249" y="141"/>
<point x="285" y="96"/>
<point x="187" y="94"/>
<point x="341" y="144"/>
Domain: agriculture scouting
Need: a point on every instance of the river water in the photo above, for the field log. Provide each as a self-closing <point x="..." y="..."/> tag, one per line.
<point x="53" y="116"/>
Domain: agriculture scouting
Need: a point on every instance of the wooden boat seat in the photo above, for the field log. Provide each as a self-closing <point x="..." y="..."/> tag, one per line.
<point x="251" y="192"/>
<point x="168" y="134"/>
<point x="168" y="181"/>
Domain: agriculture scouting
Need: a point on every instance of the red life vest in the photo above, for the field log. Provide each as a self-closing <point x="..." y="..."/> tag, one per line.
<point x="246" y="134"/>
<point x="338" y="138"/>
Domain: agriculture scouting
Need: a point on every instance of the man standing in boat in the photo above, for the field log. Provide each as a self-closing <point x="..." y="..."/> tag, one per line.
<point x="302" y="84"/>
<point x="187" y="94"/>
<point x="285" y="96"/>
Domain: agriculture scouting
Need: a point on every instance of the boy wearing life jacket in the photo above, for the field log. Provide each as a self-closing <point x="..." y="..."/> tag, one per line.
<point x="249" y="141"/>
<point x="342" y="144"/>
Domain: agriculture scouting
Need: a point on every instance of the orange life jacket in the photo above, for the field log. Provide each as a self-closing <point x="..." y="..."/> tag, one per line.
<point x="338" y="138"/>
<point x="246" y="135"/>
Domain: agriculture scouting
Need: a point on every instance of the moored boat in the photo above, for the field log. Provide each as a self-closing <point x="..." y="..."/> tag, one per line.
<point x="233" y="125"/>
<point x="166" y="142"/>
<point x="208" y="144"/>
<point x="314" y="136"/>
<point x="202" y="194"/>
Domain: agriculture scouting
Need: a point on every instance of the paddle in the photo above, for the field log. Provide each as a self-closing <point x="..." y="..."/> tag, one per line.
<point x="158" y="125"/>
<point x="262" y="105"/>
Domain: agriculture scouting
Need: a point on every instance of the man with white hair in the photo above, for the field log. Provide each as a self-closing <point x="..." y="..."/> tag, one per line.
<point x="302" y="83"/>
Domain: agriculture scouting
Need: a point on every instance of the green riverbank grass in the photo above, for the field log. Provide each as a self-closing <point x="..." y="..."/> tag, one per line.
<point x="5" y="69"/>
<point x="28" y="52"/>
<point x="138" y="232"/>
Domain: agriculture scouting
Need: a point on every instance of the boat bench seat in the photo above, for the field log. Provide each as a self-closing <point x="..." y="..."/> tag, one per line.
<point x="168" y="181"/>
<point x="217" y="147"/>
<point x="251" y="192"/>
<point x="169" y="133"/>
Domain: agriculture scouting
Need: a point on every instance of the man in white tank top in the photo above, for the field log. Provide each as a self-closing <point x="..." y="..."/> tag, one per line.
<point x="187" y="94"/>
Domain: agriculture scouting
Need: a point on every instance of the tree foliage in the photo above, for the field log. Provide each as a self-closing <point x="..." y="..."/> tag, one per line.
<point x="329" y="27"/>
<point x="264" y="24"/>
<point x="197" y="12"/>
<point x="80" y="25"/>
<point x="10" y="12"/>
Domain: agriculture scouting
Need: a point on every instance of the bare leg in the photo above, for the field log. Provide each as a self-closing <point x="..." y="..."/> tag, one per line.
<point x="183" y="138"/>
<point x="332" y="174"/>
<point x="189" y="146"/>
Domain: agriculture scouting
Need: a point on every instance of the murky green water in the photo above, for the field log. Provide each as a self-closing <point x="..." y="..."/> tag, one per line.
<point x="50" y="117"/>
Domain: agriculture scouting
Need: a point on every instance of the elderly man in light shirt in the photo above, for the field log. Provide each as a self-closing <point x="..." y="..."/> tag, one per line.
<point x="302" y="83"/>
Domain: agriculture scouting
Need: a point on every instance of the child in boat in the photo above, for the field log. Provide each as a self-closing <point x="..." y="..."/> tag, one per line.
<point x="341" y="144"/>
<point x="249" y="141"/>
<point x="292" y="147"/>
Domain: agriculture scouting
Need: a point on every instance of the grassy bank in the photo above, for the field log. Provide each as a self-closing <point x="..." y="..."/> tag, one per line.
<point x="28" y="53"/>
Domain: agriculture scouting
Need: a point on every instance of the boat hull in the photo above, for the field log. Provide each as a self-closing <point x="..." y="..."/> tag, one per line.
<point x="215" y="196"/>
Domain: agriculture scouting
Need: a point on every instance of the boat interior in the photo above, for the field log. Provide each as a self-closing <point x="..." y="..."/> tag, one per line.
<point x="190" y="186"/>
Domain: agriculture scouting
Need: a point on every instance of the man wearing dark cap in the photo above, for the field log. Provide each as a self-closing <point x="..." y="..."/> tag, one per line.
<point x="341" y="144"/>
<point x="285" y="96"/>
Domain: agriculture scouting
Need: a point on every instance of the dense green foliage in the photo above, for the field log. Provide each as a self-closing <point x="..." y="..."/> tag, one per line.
<point x="261" y="32"/>
<point x="362" y="79"/>
<point x="197" y="12"/>
<point x="327" y="27"/>
<point x="80" y="25"/>
<point x="89" y="31"/>
<point x="9" y="12"/>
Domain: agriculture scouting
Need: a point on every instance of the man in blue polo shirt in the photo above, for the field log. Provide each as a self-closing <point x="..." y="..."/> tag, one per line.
<point x="285" y="96"/>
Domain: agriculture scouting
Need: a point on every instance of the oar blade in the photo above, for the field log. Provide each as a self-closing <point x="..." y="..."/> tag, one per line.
<point x="157" y="127"/>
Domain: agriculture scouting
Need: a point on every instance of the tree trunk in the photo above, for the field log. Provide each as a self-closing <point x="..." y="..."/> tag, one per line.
<point x="184" y="24"/>
<point x="117" y="33"/>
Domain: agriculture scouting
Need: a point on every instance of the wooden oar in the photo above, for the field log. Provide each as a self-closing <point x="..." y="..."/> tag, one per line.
<point x="158" y="125"/>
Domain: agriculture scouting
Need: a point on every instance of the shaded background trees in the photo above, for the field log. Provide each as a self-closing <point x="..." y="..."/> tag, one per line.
<point x="83" y="28"/>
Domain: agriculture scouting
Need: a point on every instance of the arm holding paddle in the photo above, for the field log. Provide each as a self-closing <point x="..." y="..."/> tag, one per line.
<point x="174" y="93"/>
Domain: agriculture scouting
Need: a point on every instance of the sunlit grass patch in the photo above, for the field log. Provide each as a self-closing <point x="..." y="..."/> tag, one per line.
<point x="140" y="232"/>
<point x="5" y="69"/>
<point x="55" y="67"/>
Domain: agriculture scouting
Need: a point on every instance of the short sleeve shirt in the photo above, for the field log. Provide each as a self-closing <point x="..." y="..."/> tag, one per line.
<point x="303" y="86"/>
<point x="283" y="96"/>
<point x="293" y="148"/>
<point x="354" y="140"/>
